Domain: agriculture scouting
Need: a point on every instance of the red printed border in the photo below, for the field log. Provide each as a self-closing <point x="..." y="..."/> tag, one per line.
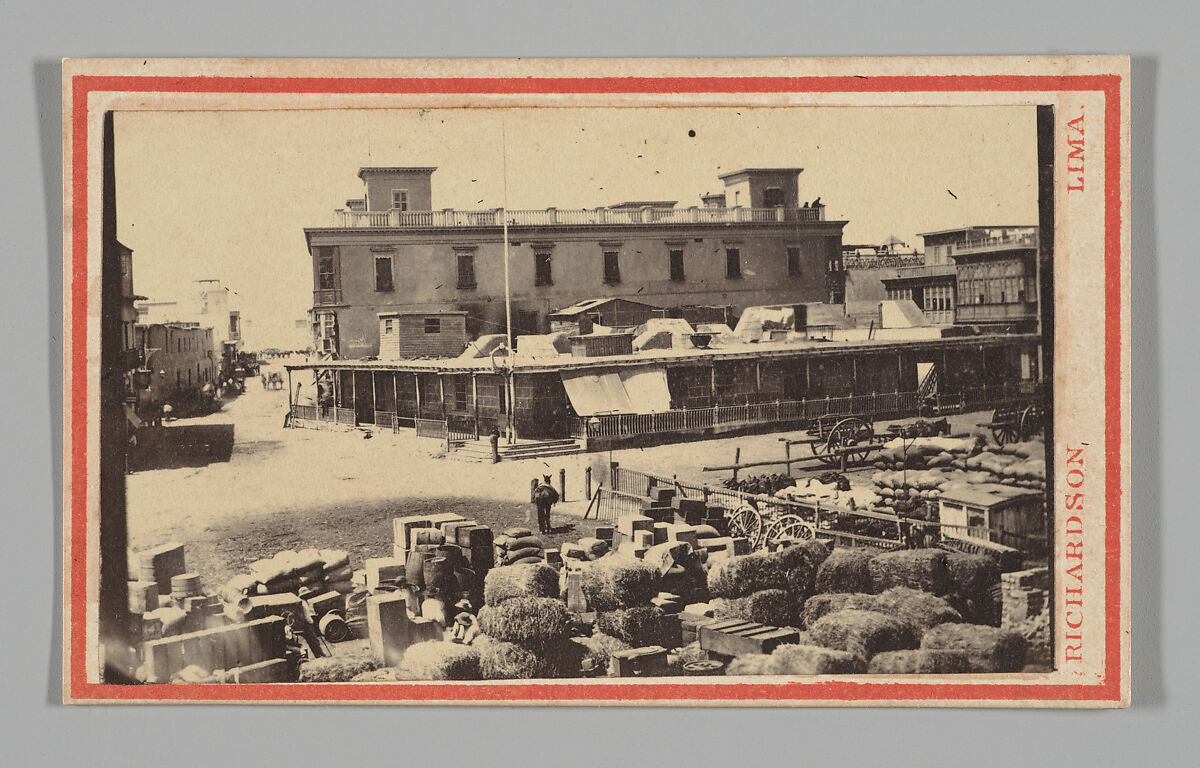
<point x="1108" y="690"/>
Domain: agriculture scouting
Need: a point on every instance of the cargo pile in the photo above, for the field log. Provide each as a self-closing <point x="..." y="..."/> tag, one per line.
<point x="1020" y="464"/>
<point x="767" y="485"/>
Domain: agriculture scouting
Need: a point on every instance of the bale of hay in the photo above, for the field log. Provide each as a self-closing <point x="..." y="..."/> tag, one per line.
<point x="337" y="669"/>
<point x="920" y="610"/>
<point x="746" y="574"/>
<point x="385" y="675"/>
<point x="813" y="660"/>
<point x="831" y="602"/>
<point x="988" y="649"/>
<point x="975" y="579"/>
<point x="922" y="661"/>
<point x="776" y="607"/>
<point x="598" y="649"/>
<point x="614" y="582"/>
<point x="925" y="569"/>
<point x="845" y="570"/>
<point x="639" y="626"/>
<point x="800" y="564"/>
<point x="750" y="664"/>
<point x="499" y="660"/>
<point x="535" y="621"/>
<point x="525" y="580"/>
<point x="862" y="633"/>
<point x="439" y="660"/>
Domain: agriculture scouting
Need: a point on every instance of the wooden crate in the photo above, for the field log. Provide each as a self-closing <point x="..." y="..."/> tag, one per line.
<point x="736" y="638"/>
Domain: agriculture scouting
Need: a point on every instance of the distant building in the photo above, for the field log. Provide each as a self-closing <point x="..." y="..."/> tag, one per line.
<point x="179" y="358"/>
<point x="978" y="275"/>
<point x="207" y="306"/>
<point x="391" y="251"/>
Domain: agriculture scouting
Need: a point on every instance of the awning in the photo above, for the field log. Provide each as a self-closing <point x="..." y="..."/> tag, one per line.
<point x="632" y="390"/>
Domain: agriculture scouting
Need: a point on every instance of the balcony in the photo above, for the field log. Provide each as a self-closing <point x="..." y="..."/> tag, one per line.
<point x="327" y="297"/>
<point x="995" y="313"/>
<point x="598" y="217"/>
<point x="1005" y="243"/>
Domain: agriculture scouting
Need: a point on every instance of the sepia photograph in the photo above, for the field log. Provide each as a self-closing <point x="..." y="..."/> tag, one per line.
<point x="693" y="394"/>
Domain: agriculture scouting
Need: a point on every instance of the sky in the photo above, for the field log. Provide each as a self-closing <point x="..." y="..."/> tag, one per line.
<point x="228" y="194"/>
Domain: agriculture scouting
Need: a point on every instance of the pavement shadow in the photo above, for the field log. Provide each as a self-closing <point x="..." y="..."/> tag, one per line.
<point x="195" y="445"/>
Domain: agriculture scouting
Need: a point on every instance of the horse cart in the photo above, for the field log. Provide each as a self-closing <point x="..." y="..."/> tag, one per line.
<point x="759" y="526"/>
<point x="841" y="440"/>
<point x="1016" y="424"/>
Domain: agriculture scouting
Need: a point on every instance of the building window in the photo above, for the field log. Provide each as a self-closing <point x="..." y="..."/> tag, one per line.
<point x="793" y="256"/>
<point x="676" y="264"/>
<point x="400" y="199"/>
<point x="383" y="273"/>
<point x="733" y="263"/>
<point x="460" y="397"/>
<point x="387" y="325"/>
<point x="541" y="268"/>
<point x="326" y="268"/>
<point x="433" y="325"/>
<point x="502" y="393"/>
<point x="612" y="267"/>
<point x="772" y="197"/>
<point x="466" y="269"/>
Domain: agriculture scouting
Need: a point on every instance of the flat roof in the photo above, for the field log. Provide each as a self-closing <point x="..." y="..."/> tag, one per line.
<point x="589" y="304"/>
<point x="737" y="351"/>
<point x="396" y="169"/>
<point x="977" y="226"/>
<point x="432" y="312"/>
<point x="985" y="494"/>
<point x="759" y="171"/>
<point x="644" y="203"/>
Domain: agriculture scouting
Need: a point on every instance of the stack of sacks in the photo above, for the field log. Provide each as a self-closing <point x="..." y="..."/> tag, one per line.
<point x="801" y="659"/>
<point x="525" y="638"/>
<point x="927" y="452"/>
<point x="863" y="633"/>
<point x="768" y="588"/>
<point x="988" y="649"/>
<point x="925" y="569"/>
<point x="518" y="546"/>
<point x="439" y="660"/>
<point x="338" y="573"/>
<point x="1019" y="464"/>
<point x="619" y="589"/>
<point x="921" y="611"/>
<point x="845" y="570"/>
<point x="891" y="487"/>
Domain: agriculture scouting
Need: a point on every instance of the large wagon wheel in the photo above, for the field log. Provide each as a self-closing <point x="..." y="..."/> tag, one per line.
<point x="851" y="432"/>
<point x="745" y="522"/>
<point x="1031" y="422"/>
<point x="1006" y="426"/>
<point x="789" y="527"/>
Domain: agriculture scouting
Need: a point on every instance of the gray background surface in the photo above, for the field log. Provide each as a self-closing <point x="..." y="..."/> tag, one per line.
<point x="1159" y="729"/>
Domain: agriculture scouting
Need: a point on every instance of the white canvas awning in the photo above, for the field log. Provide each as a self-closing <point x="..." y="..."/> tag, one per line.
<point x="633" y="390"/>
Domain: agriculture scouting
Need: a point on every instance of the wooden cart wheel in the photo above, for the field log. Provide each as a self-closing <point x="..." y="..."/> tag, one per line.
<point x="848" y="433"/>
<point x="789" y="527"/>
<point x="1031" y="422"/>
<point x="745" y="522"/>
<point x="1006" y="426"/>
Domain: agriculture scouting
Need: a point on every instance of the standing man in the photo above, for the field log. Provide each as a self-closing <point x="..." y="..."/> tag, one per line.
<point x="544" y="497"/>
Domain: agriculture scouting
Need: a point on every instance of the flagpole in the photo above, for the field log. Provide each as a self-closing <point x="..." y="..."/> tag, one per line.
<point x="512" y="352"/>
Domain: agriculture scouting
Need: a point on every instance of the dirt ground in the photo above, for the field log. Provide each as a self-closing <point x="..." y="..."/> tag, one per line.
<point x="277" y="488"/>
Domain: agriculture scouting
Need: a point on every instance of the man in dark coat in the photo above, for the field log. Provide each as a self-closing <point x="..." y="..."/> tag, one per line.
<point x="544" y="496"/>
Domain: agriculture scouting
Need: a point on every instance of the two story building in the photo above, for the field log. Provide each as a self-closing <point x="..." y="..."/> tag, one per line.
<point x="391" y="252"/>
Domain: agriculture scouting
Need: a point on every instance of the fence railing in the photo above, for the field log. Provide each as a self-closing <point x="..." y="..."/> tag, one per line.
<point x="385" y="420"/>
<point x="435" y="428"/>
<point x="886" y="405"/>
<point x="493" y="217"/>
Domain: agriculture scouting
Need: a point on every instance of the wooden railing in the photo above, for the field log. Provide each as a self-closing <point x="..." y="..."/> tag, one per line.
<point x="435" y="428"/>
<point x="396" y="219"/>
<point x="886" y="405"/>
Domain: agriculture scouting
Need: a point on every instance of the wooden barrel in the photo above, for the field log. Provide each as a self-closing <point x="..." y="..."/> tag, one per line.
<point x="439" y="577"/>
<point x="453" y="554"/>
<point x="333" y="627"/>
<point x="185" y="585"/>
<point x="414" y="567"/>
